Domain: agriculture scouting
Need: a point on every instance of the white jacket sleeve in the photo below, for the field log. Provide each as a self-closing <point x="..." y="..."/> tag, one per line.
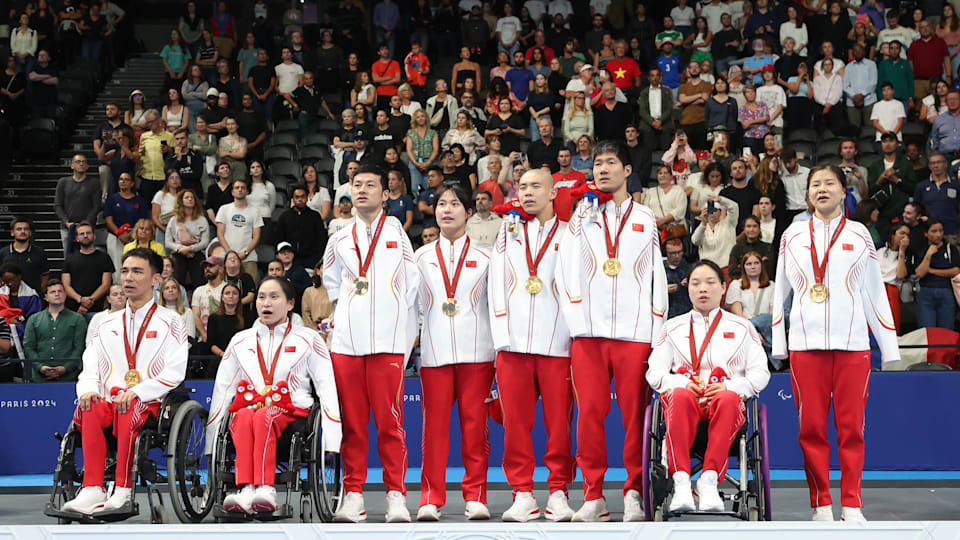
<point x="661" y="298"/>
<point x="332" y="270"/>
<point x="497" y="297"/>
<point x="781" y="290"/>
<point x="756" y="375"/>
<point x="89" y="378"/>
<point x="229" y="375"/>
<point x="876" y="308"/>
<point x="660" y="366"/>
<point x="567" y="275"/>
<point x="321" y="373"/>
<point x="174" y="367"/>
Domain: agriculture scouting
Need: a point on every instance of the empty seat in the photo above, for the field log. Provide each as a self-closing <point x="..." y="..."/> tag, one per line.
<point x="325" y="165"/>
<point x="328" y="126"/>
<point x="317" y="139"/>
<point x="284" y="170"/>
<point x="39" y="137"/>
<point x="313" y="153"/>
<point x="866" y="146"/>
<point x="284" y="139"/>
<point x="278" y="153"/>
<point x="916" y="129"/>
<point x="803" y="134"/>
<point x="287" y="126"/>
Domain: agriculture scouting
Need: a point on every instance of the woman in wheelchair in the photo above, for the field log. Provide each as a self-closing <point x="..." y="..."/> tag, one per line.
<point x="267" y="370"/>
<point x="705" y="364"/>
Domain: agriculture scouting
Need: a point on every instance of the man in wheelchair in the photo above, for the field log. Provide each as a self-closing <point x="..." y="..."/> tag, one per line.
<point x="264" y="382"/>
<point x="136" y="357"/>
<point x="705" y="364"/>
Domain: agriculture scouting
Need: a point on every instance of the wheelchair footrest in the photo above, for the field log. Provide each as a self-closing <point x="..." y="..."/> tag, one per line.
<point x="127" y="512"/>
<point x="284" y="512"/>
<point x="699" y="513"/>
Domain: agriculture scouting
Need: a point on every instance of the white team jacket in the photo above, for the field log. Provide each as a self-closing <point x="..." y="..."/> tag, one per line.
<point x="630" y="306"/>
<point x="304" y="358"/>
<point x="464" y="338"/>
<point x="161" y="359"/>
<point x="523" y="322"/>
<point x="384" y="319"/>
<point x="857" y="297"/>
<point x="735" y="347"/>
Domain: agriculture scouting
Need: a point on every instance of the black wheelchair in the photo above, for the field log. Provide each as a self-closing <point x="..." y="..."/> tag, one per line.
<point x="177" y="433"/>
<point x="299" y="447"/>
<point x="751" y="490"/>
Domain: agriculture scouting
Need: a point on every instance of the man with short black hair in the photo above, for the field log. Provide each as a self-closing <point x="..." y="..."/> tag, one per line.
<point x="30" y="257"/>
<point x="565" y="180"/>
<point x="54" y="338"/>
<point x="483" y="225"/>
<point x="794" y="178"/>
<point x="741" y="191"/>
<point x="308" y="101"/>
<point x="677" y="269"/>
<point x="385" y="135"/>
<point x="262" y="82"/>
<point x="891" y="182"/>
<point x="543" y="153"/>
<point x="206" y="298"/>
<point x="252" y="126"/>
<point x="425" y="201"/>
<point x="941" y="195"/>
<point x="87" y="274"/>
<point x="239" y="225"/>
<point x="77" y="198"/>
<point x="103" y="139"/>
<point x="302" y="228"/>
<point x="187" y="162"/>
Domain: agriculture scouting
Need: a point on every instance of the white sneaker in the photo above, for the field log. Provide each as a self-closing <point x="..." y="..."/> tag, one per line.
<point x="116" y="501"/>
<point x="475" y="510"/>
<point x="265" y="499"/>
<point x="823" y="513"/>
<point x="86" y="501"/>
<point x="682" y="500"/>
<point x="558" y="508"/>
<point x="397" y="508"/>
<point x="595" y="510"/>
<point x="351" y="508"/>
<point x="632" y="510"/>
<point x="710" y="500"/>
<point x="241" y="501"/>
<point x="851" y="514"/>
<point x="428" y="512"/>
<point x="524" y="508"/>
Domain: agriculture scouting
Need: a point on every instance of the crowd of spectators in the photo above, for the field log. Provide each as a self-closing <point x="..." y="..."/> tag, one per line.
<point x="723" y="105"/>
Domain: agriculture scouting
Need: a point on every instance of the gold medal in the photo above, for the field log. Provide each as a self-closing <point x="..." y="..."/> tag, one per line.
<point x="512" y="228"/>
<point x="534" y="284"/>
<point x="361" y="285"/>
<point x="611" y="267"/>
<point x="131" y="378"/>
<point x="450" y="307"/>
<point x="819" y="293"/>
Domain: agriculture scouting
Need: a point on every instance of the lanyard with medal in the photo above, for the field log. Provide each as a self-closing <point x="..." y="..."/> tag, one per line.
<point x="534" y="284"/>
<point x="696" y="357"/>
<point x="451" y="306"/>
<point x="611" y="266"/>
<point x="132" y="377"/>
<point x="268" y="374"/>
<point x="361" y="284"/>
<point x="819" y="292"/>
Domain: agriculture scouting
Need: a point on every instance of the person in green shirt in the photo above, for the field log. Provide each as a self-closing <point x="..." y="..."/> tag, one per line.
<point x="900" y="74"/>
<point x="54" y="338"/>
<point x="175" y="55"/>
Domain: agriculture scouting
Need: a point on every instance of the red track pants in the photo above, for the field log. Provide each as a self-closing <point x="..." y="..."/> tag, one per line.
<point x="521" y="378"/>
<point x="468" y="385"/>
<point x="594" y="362"/>
<point x="126" y="426"/>
<point x="371" y="383"/>
<point x="845" y="375"/>
<point x="725" y="414"/>
<point x="254" y="433"/>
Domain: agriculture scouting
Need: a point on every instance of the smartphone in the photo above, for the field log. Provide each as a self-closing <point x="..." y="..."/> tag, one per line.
<point x="711" y="207"/>
<point x="747" y="152"/>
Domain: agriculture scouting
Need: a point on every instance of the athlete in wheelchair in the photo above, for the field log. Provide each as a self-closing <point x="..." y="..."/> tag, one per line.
<point x="131" y="400"/>
<point x="705" y="365"/>
<point x="263" y="415"/>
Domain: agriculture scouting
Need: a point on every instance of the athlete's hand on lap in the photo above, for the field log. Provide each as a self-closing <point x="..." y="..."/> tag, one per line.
<point x="695" y="388"/>
<point x="88" y="399"/>
<point x="124" y="401"/>
<point x="713" y="390"/>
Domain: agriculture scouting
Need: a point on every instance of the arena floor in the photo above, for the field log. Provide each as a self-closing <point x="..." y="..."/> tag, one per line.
<point x="893" y="500"/>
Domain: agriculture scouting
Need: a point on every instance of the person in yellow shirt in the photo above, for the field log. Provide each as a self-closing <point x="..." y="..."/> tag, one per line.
<point x="145" y="236"/>
<point x="154" y="145"/>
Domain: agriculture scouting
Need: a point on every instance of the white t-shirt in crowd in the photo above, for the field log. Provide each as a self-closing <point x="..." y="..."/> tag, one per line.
<point x="771" y="96"/>
<point x="888" y="113"/>
<point x="238" y="224"/>
<point x="683" y="17"/>
<point x="754" y="303"/>
<point x="166" y="201"/>
<point x="713" y="13"/>
<point x="288" y="76"/>
<point x="508" y="27"/>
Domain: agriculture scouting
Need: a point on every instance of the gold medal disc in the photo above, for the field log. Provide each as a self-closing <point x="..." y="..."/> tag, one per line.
<point x="450" y="307"/>
<point x="819" y="293"/>
<point x="131" y="378"/>
<point x="534" y="284"/>
<point x="361" y="285"/>
<point x="611" y="267"/>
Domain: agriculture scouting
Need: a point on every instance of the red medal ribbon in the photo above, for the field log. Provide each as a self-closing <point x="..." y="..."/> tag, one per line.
<point x="819" y="270"/>
<point x="532" y="263"/>
<point x="365" y="263"/>
<point x="611" y="244"/>
<point x="452" y="287"/>
<point x="268" y="375"/>
<point x="694" y="356"/>
<point x="132" y="354"/>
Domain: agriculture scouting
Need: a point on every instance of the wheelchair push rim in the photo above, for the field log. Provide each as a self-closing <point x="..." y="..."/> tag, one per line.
<point x="324" y="471"/>
<point x="189" y="470"/>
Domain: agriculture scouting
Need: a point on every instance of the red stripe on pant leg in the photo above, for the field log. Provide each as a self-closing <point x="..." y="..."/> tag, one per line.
<point x="91" y="424"/>
<point x="553" y="378"/>
<point x="438" y="394"/>
<point x="518" y="398"/>
<point x="682" y="413"/>
<point x="472" y="384"/>
<point x="726" y="414"/>
<point x="629" y="361"/>
<point x="350" y="373"/>
<point x="126" y="427"/>
<point x="850" y="386"/>
<point x="241" y="433"/>
<point x="812" y="377"/>
<point x="384" y="376"/>
<point x="268" y="424"/>
<point x="590" y="370"/>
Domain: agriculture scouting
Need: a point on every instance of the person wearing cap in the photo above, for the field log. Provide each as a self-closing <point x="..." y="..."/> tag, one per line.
<point x="206" y="298"/>
<point x="656" y="112"/>
<point x="213" y="115"/>
<point x="669" y="65"/>
<point x="302" y="228"/>
<point x="582" y="83"/>
<point x="294" y="272"/>
<point x="891" y="181"/>
<point x="344" y="215"/>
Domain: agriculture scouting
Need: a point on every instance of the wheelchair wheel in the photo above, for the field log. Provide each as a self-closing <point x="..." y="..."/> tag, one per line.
<point x="190" y="472"/>
<point x="323" y="472"/>
<point x="647" y="490"/>
<point x="66" y="478"/>
<point x="767" y="507"/>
